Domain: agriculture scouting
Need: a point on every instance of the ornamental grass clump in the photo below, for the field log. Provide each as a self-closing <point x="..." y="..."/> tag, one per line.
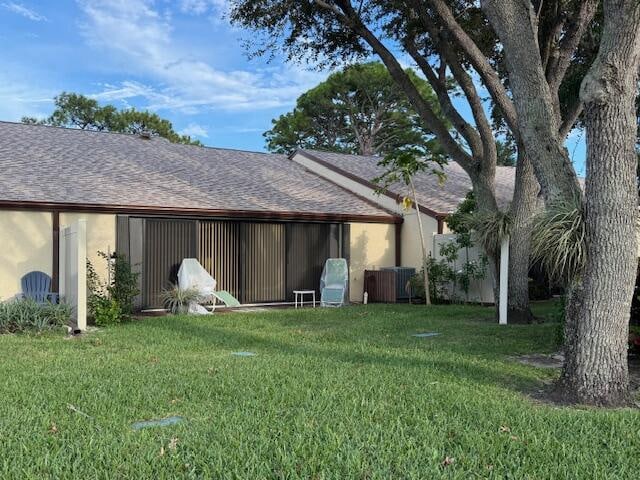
<point x="558" y="241"/>
<point x="490" y="228"/>
<point x="177" y="300"/>
<point x="25" y="315"/>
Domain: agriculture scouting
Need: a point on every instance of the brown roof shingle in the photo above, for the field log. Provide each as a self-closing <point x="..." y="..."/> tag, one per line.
<point x="441" y="199"/>
<point x="60" y="165"/>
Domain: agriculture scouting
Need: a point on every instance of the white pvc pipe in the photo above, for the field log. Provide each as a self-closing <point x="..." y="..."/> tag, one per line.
<point x="504" y="280"/>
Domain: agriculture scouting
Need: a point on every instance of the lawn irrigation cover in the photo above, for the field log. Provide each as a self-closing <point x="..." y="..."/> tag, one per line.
<point x="162" y="422"/>
<point x="244" y="354"/>
<point x="425" y="334"/>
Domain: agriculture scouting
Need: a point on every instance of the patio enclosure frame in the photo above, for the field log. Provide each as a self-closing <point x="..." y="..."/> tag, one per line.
<point x="258" y="261"/>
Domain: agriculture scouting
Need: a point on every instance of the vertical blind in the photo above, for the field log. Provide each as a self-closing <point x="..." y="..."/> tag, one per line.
<point x="219" y="253"/>
<point x="263" y="262"/>
<point x="168" y="242"/>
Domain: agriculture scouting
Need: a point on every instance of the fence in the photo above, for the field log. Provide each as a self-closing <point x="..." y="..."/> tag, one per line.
<point x="480" y="291"/>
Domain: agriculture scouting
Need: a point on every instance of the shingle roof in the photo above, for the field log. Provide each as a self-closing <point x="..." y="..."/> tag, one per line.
<point x="441" y="199"/>
<point x="60" y="165"/>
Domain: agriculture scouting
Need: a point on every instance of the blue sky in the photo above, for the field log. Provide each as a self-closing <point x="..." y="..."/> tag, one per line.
<point x="178" y="58"/>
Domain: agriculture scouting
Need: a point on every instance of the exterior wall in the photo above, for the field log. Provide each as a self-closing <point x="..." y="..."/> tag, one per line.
<point x="27" y="245"/>
<point x="372" y="245"/>
<point x="410" y="246"/>
<point x="411" y="250"/>
<point x="101" y="236"/>
<point x="351" y="185"/>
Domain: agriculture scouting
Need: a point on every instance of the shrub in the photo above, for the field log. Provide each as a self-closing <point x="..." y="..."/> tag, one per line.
<point x="111" y="302"/>
<point x="124" y="283"/>
<point x="26" y="315"/>
<point x="106" y="311"/>
<point x="559" y="316"/>
<point x="446" y="277"/>
<point x="177" y="299"/>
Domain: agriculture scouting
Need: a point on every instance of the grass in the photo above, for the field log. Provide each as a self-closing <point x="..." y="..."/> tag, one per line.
<point x="334" y="394"/>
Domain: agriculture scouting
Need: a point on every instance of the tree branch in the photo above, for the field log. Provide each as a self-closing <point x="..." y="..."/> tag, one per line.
<point x="569" y="43"/>
<point x="570" y="117"/>
<point x="477" y="59"/>
<point x="426" y="112"/>
<point x="463" y="127"/>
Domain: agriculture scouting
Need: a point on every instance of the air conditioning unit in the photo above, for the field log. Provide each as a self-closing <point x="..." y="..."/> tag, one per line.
<point x="403" y="275"/>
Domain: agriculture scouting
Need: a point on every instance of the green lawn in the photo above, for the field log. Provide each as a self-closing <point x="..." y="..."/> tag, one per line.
<point x="340" y="394"/>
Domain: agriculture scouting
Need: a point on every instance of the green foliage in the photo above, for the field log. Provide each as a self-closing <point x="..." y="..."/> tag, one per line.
<point x="559" y="317"/>
<point x="402" y="164"/>
<point x="357" y="110"/>
<point x="77" y="111"/>
<point x="124" y="282"/>
<point x="177" y="299"/>
<point x="458" y="221"/>
<point x="26" y="315"/>
<point x="558" y="241"/>
<point x="105" y="311"/>
<point x="505" y="153"/>
<point x="439" y="277"/>
<point x="490" y="228"/>
<point x="446" y="276"/>
<point x="111" y="301"/>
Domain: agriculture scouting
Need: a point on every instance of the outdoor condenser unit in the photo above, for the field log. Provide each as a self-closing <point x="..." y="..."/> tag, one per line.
<point x="403" y="275"/>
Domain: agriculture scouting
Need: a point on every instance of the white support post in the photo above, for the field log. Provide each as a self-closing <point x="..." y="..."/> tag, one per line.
<point x="73" y="271"/>
<point x="504" y="280"/>
<point x="81" y="260"/>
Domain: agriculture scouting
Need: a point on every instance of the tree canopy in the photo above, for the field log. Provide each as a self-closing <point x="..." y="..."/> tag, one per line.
<point x="78" y="111"/>
<point x="545" y="65"/>
<point x="356" y="110"/>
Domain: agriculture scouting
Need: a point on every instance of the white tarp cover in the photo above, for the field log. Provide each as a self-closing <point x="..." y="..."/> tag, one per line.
<point x="333" y="282"/>
<point x="193" y="275"/>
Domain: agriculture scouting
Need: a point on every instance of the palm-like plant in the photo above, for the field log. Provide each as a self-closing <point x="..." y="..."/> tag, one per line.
<point x="558" y="241"/>
<point x="490" y="228"/>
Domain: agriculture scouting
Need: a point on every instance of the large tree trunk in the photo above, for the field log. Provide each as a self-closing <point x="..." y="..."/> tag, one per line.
<point x="523" y="208"/>
<point x="595" y="370"/>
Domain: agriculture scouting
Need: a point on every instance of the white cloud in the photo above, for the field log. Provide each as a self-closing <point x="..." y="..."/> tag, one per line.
<point x="26" y="12"/>
<point x="19" y="99"/>
<point x="142" y="40"/>
<point x="200" y="7"/>
<point x="194" y="130"/>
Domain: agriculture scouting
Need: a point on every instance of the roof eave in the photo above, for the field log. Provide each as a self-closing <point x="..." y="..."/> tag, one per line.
<point x="394" y="196"/>
<point x="196" y="212"/>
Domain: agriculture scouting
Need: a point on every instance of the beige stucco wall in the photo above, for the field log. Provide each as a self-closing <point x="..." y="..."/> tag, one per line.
<point x="372" y="245"/>
<point x="411" y="250"/>
<point x="101" y="236"/>
<point x="27" y="245"/>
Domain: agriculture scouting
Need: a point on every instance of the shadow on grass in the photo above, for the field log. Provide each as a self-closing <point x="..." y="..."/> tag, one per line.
<point x="466" y="367"/>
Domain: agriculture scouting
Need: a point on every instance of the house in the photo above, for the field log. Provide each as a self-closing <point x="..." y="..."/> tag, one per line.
<point x="436" y="201"/>
<point x="261" y="224"/>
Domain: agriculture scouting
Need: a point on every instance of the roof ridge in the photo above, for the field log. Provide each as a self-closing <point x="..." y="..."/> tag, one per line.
<point x="135" y="135"/>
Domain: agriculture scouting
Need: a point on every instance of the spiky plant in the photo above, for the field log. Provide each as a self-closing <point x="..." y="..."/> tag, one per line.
<point x="177" y="299"/>
<point x="490" y="228"/>
<point x="558" y="241"/>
